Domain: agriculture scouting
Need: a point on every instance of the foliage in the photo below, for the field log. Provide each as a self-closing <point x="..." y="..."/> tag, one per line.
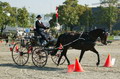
<point x="52" y="22"/>
<point x="108" y="15"/>
<point x="68" y="13"/>
<point x="49" y="15"/>
<point x="116" y="32"/>
<point x="71" y="14"/>
<point x="22" y="17"/>
<point x="32" y="19"/>
<point x="17" y="16"/>
<point x="86" y="18"/>
<point x="5" y="8"/>
<point x="110" y="37"/>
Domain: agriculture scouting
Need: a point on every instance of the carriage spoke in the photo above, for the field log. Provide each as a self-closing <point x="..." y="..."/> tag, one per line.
<point x="18" y="60"/>
<point x="16" y="57"/>
<point x="22" y="60"/>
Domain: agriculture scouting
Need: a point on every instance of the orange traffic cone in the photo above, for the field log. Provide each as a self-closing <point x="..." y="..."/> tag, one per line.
<point x="108" y="61"/>
<point x="78" y="67"/>
<point x="60" y="47"/>
<point x="71" y="68"/>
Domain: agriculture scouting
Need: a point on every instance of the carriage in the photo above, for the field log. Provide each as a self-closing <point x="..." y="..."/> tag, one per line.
<point x="81" y="41"/>
<point x="30" y="45"/>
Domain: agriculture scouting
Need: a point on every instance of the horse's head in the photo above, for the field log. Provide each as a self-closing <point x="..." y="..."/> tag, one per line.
<point x="103" y="37"/>
<point x="94" y="34"/>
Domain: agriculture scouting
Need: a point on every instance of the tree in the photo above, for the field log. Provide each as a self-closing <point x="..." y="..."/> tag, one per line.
<point x="17" y="16"/>
<point x="13" y="17"/>
<point x="68" y="13"/>
<point x="49" y="15"/>
<point x="52" y="22"/>
<point x="4" y="17"/>
<point x="32" y="19"/>
<point x="71" y="14"/>
<point x="22" y="17"/>
<point x="85" y="18"/>
<point x="108" y="14"/>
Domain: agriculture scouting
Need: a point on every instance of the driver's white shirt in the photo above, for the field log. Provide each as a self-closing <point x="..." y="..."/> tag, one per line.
<point x="39" y="21"/>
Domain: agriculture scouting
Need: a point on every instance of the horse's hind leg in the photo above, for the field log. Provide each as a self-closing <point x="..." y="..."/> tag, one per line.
<point x="63" y="53"/>
<point x="95" y="51"/>
<point x="60" y="58"/>
<point x="81" y="55"/>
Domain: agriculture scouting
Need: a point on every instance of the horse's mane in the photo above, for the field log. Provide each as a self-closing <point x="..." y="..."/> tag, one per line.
<point x="97" y="30"/>
<point x="85" y="33"/>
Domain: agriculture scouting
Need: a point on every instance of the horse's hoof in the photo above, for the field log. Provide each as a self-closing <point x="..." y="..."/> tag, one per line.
<point x="57" y="64"/>
<point x="69" y="64"/>
<point x="97" y="63"/>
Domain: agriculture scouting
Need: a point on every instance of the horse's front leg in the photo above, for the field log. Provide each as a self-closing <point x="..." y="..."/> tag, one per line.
<point x="60" y="59"/>
<point x="81" y="55"/>
<point x="95" y="51"/>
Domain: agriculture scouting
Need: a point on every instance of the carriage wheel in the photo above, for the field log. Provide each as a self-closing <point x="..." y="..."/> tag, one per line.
<point x="20" y="54"/>
<point x="39" y="57"/>
<point x="56" y="57"/>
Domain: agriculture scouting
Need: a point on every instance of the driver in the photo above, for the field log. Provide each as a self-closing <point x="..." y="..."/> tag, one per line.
<point x="40" y="28"/>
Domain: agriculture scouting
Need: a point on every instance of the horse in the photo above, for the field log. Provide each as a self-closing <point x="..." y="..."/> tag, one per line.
<point x="81" y="41"/>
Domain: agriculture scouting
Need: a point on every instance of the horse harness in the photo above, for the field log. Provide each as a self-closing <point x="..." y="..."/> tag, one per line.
<point x="72" y="41"/>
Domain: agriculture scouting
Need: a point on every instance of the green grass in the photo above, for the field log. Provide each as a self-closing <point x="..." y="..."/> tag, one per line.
<point x="110" y="37"/>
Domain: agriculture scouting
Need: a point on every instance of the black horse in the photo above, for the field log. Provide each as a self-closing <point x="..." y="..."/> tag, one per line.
<point x="82" y="41"/>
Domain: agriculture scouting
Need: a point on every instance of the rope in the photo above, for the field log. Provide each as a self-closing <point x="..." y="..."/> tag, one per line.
<point x="72" y="42"/>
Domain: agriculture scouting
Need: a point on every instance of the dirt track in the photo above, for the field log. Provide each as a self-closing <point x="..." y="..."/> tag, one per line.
<point x="9" y="70"/>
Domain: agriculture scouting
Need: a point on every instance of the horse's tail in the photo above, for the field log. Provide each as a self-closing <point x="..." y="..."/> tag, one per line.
<point x="56" y="46"/>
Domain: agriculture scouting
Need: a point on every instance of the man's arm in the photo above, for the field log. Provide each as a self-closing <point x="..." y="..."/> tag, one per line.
<point x="40" y="25"/>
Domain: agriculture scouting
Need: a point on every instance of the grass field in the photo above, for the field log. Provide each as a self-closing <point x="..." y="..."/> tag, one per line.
<point x="110" y="37"/>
